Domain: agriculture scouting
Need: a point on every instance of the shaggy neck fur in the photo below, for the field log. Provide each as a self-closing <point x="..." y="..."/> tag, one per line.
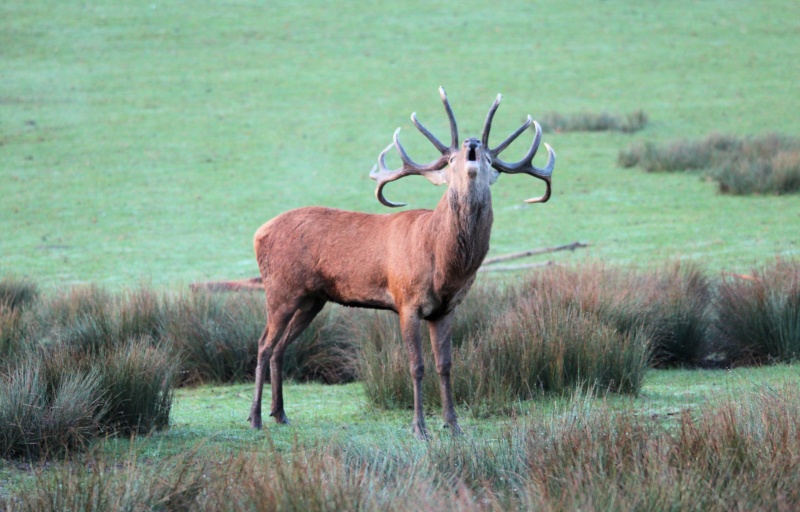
<point x="465" y="222"/>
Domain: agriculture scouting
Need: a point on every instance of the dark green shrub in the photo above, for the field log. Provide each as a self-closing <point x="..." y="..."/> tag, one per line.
<point x="534" y="347"/>
<point x="486" y="301"/>
<point x="80" y="317"/>
<point x="680" y="155"/>
<point x="11" y="333"/>
<point x="216" y="335"/>
<point x="677" y="315"/>
<point x="593" y="122"/>
<point x="17" y="293"/>
<point x="758" y="316"/>
<point x="670" y="305"/>
<point x="47" y="414"/>
<point x="762" y="170"/>
<point x="325" y="351"/>
<point x="137" y="381"/>
<point x="769" y="164"/>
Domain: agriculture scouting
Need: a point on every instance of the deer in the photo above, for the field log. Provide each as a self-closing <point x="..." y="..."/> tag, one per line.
<point x="419" y="263"/>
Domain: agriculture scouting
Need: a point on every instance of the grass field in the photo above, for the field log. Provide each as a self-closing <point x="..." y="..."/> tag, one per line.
<point x="146" y="142"/>
<point x="149" y="141"/>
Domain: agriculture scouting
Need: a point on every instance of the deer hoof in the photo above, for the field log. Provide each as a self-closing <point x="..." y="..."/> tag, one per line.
<point x="420" y="432"/>
<point x="255" y="421"/>
<point x="280" y="418"/>
<point x="454" y="428"/>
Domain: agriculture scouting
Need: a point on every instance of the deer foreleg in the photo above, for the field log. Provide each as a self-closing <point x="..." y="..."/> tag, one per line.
<point x="441" y="333"/>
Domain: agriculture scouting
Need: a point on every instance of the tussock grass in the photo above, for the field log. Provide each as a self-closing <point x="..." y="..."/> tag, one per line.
<point x="16" y="292"/>
<point x="758" y="316"/>
<point x="61" y="397"/>
<point x="593" y="122"/>
<point x="531" y="345"/>
<point x="669" y="305"/>
<point x="41" y="414"/>
<point x="769" y="164"/>
<point x="737" y="453"/>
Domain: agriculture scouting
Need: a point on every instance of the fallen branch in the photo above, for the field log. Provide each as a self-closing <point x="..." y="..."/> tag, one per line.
<point x="253" y="283"/>
<point x="533" y="252"/>
<point x="522" y="266"/>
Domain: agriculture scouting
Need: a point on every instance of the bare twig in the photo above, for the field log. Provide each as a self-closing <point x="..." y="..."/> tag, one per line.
<point x="523" y="266"/>
<point x="533" y="252"/>
<point x="224" y="286"/>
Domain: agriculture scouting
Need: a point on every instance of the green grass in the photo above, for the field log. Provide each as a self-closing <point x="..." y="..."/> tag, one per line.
<point x="149" y="141"/>
<point x="209" y="426"/>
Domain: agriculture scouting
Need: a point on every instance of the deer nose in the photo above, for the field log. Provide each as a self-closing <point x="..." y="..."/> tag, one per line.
<point x="472" y="145"/>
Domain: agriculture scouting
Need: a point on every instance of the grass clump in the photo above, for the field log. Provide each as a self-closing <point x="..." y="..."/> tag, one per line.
<point x="531" y="345"/>
<point x="594" y="122"/>
<point x="758" y="316"/>
<point x="670" y="305"/>
<point x="737" y="453"/>
<point x="769" y="164"/>
<point x="41" y="413"/>
<point x="59" y="397"/>
<point x="16" y="293"/>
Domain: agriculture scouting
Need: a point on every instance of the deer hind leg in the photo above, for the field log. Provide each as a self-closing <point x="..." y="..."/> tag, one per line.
<point x="264" y="353"/>
<point x="409" y="325"/>
<point x="284" y="324"/>
<point x="441" y="334"/>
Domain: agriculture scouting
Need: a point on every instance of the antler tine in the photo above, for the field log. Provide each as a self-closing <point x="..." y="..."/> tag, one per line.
<point x="451" y="117"/>
<point x="525" y="165"/>
<point x="487" y="126"/>
<point x="384" y="175"/>
<point x="511" y="138"/>
<point x="432" y="171"/>
<point x="431" y="137"/>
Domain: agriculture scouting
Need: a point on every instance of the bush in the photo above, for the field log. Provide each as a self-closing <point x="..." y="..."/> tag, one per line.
<point x="593" y="122"/>
<point x="16" y="293"/>
<point x="138" y="381"/>
<point x="217" y="338"/>
<point x="670" y="305"/>
<point x="61" y="397"/>
<point x="758" y="316"/>
<point x="535" y="346"/>
<point x="47" y="414"/>
<point x="769" y="164"/>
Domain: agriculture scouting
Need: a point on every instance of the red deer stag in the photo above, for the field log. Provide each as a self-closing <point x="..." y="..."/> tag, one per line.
<point x="418" y="263"/>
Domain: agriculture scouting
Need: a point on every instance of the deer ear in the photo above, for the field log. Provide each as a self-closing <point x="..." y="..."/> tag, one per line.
<point x="436" y="177"/>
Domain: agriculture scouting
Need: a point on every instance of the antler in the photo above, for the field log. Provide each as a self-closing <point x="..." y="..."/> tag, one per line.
<point x="526" y="164"/>
<point x="431" y="171"/>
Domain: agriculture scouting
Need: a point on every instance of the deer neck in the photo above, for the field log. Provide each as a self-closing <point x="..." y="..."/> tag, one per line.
<point x="462" y="230"/>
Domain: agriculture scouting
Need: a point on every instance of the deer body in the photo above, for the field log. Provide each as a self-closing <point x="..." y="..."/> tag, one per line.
<point x="419" y="263"/>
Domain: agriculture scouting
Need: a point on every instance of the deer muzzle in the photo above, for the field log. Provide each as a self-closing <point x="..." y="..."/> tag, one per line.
<point x="473" y="148"/>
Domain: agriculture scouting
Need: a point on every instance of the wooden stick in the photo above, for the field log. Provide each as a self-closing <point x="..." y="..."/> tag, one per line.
<point x="223" y="286"/>
<point x="522" y="266"/>
<point x="532" y="252"/>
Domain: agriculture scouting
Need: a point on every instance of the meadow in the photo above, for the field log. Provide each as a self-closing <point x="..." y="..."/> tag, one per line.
<point x="141" y="145"/>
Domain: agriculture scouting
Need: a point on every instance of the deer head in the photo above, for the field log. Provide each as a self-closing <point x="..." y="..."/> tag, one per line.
<point x="473" y="164"/>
